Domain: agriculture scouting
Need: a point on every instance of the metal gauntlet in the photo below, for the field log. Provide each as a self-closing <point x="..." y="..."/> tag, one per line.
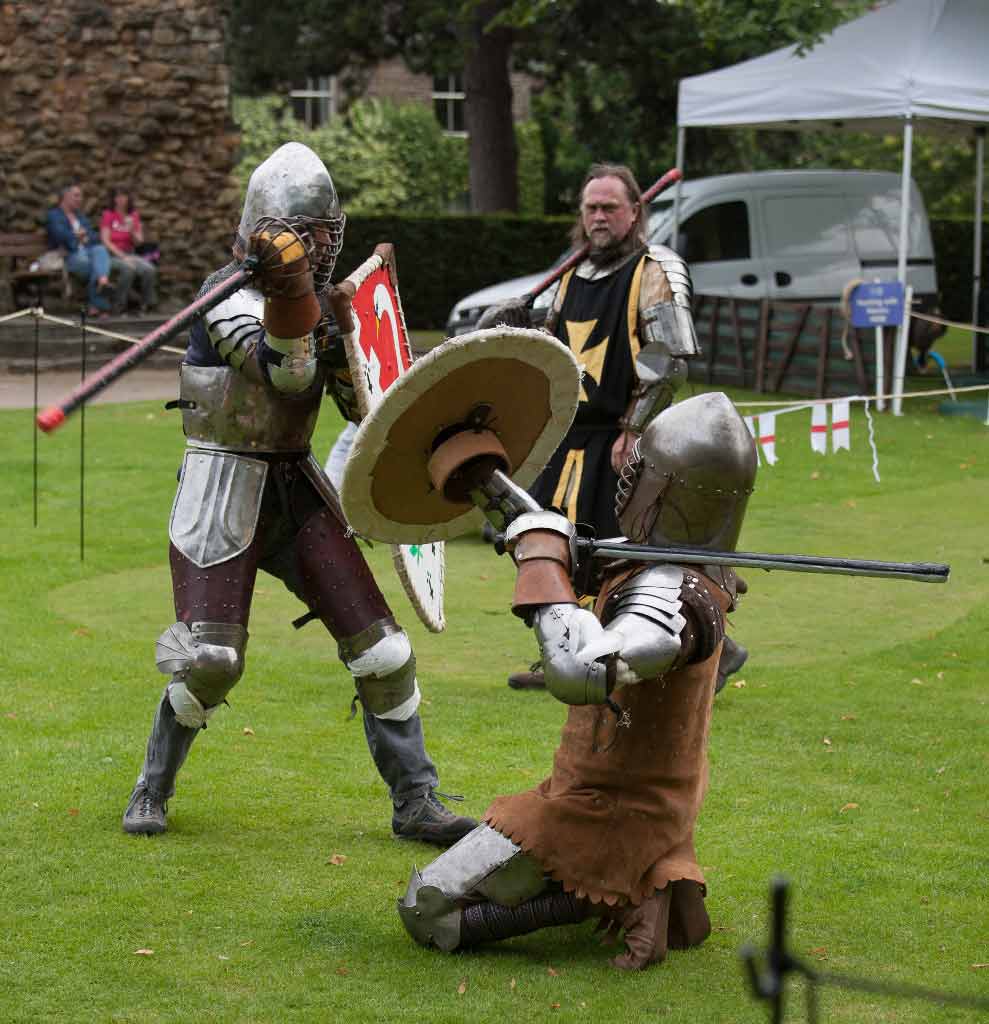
<point x="578" y="654"/>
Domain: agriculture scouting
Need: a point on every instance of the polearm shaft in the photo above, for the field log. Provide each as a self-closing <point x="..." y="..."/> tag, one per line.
<point x="54" y="416"/>
<point x="671" y="177"/>
<point x="923" y="572"/>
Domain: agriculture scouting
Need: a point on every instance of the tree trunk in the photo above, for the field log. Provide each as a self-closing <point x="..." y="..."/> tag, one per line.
<point x="488" y="106"/>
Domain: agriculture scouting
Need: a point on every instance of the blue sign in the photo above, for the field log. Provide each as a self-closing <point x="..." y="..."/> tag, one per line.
<point x="877" y="305"/>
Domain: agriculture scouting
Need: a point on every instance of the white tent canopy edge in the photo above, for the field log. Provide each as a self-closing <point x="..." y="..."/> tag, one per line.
<point x="911" y="61"/>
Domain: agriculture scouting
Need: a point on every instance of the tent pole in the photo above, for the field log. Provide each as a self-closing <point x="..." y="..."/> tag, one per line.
<point x="901" y="264"/>
<point x="980" y="145"/>
<point x="681" y="156"/>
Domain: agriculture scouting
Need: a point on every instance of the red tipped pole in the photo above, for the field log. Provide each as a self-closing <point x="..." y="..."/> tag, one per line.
<point x="54" y="416"/>
<point x="671" y="177"/>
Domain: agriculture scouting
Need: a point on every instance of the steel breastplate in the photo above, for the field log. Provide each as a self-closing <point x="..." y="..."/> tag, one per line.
<point x="224" y="410"/>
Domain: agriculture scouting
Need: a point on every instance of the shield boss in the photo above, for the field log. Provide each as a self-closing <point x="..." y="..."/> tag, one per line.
<point x="521" y="385"/>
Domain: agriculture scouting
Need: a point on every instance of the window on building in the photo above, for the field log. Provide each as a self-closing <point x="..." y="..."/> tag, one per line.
<point x="448" y="102"/>
<point x="719" y="232"/>
<point x="316" y="102"/>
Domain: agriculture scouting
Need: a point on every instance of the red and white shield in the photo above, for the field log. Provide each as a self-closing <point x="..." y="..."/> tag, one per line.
<point x="378" y="353"/>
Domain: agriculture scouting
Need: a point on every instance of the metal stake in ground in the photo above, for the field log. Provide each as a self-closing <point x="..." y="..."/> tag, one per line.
<point x="82" y="445"/>
<point x="34" y="428"/>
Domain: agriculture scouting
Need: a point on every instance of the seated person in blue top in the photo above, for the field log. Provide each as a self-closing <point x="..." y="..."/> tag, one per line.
<point x="86" y="258"/>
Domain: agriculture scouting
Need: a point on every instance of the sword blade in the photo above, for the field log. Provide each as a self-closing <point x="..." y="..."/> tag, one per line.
<point x="923" y="572"/>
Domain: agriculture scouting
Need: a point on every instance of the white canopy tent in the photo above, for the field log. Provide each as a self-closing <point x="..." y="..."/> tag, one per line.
<point x="911" y="61"/>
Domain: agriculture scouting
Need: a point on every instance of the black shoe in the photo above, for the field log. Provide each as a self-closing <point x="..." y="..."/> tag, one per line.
<point x="145" y="814"/>
<point x="531" y="680"/>
<point x="425" y="818"/>
<point x="733" y="657"/>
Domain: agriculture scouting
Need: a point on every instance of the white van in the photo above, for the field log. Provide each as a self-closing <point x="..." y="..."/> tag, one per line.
<point x="793" y="235"/>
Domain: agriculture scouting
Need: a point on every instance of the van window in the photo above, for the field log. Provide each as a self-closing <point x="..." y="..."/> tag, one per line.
<point x="719" y="232"/>
<point x="806" y="224"/>
<point x="876" y="225"/>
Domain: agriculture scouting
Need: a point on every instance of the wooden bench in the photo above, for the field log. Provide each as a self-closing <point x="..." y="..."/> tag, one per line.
<point x="28" y="283"/>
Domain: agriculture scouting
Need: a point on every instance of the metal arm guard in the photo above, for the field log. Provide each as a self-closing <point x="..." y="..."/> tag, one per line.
<point x="332" y="354"/>
<point x="671" y="323"/>
<point x="542" y="545"/>
<point x="502" y="500"/>
<point x="664" y="618"/>
<point x="660" y="375"/>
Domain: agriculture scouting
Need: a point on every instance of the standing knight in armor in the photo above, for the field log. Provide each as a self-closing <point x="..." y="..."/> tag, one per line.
<point x="252" y="496"/>
<point x="610" y="834"/>
<point x="625" y="312"/>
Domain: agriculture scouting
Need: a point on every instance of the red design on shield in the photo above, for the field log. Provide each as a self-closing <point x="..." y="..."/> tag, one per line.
<point x="382" y="336"/>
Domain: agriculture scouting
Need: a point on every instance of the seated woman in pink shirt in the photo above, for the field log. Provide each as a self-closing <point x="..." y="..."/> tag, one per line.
<point x="121" y="232"/>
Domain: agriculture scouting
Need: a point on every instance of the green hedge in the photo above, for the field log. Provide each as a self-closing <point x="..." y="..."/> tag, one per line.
<point x="953" y="241"/>
<point x="442" y="259"/>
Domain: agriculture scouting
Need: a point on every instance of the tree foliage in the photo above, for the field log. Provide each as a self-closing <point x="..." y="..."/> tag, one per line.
<point x="609" y="71"/>
<point x="383" y="156"/>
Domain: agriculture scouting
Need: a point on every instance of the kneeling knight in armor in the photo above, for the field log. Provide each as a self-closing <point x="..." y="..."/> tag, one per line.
<point x="610" y="834"/>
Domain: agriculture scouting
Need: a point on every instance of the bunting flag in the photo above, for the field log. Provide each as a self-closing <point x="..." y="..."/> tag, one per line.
<point x="767" y="436"/>
<point x="750" y="424"/>
<point x="841" y="426"/>
<point x="819" y="429"/>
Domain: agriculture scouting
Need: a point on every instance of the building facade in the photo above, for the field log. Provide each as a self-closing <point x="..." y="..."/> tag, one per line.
<point x="122" y="92"/>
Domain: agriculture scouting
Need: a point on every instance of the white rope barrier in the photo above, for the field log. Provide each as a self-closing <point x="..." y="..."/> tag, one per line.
<point x="860" y="398"/>
<point x="949" y="323"/>
<point x="15" y="316"/>
<point x="40" y="314"/>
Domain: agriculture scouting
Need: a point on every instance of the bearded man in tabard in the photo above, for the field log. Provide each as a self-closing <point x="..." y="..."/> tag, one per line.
<point x="625" y="313"/>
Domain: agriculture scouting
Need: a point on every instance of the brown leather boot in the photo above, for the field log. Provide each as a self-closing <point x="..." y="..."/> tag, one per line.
<point x="689" y="923"/>
<point x="645" y="930"/>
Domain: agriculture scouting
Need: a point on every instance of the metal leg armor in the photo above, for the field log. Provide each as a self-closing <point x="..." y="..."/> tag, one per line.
<point x="168" y="746"/>
<point x="491" y="922"/>
<point x="483" y="867"/>
<point x="329" y="573"/>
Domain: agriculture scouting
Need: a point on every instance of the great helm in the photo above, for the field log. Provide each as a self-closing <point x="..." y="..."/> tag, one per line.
<point x="294" y="185"/>
<point x="689" y="477"/>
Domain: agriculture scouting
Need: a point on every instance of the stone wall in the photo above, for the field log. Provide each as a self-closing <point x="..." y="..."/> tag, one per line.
<point x="122" y="92"/>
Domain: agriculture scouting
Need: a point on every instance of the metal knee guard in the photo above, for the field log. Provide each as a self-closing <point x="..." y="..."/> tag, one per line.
<point x="483" y="864"/>
<point x="384" y="669"/>
<point x="205" y="661"/>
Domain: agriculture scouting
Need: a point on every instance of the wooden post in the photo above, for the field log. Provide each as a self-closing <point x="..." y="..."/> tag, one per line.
<point x="791" y="347"/>
<point x="824" y="345"/>
<point x="712" y="352"/>
<point x="762" y="345"/>
<point x="739" y="355"/>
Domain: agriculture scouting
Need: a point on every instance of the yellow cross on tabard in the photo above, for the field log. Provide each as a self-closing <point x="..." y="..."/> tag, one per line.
<point x="578" y="331"/>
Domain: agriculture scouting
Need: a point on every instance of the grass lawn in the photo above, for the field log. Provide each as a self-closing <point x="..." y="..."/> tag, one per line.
<point x="851" y="756"/>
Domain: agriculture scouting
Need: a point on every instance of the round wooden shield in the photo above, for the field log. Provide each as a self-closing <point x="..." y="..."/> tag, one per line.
<point x="528" y="383"/>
